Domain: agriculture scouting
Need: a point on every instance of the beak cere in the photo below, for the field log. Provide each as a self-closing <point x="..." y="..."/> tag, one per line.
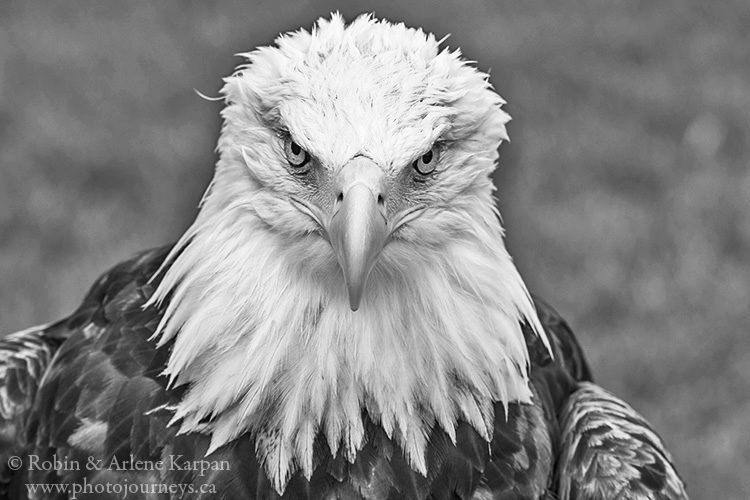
<point x="358" y="228"/>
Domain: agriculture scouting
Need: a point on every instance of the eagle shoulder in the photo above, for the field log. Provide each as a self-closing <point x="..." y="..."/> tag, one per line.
<point x="24" y="357"/>
<point x="610" y="451"/>
<point x="81" y="386"/>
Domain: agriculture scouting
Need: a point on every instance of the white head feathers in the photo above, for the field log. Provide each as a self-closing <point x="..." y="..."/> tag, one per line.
<point x="255" y="299"/>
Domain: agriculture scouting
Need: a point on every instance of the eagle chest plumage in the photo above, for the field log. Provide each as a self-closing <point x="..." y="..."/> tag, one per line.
<point x="110" y="374"/>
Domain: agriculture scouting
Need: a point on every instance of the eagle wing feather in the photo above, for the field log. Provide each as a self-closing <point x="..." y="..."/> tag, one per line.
<point x="610" y="451"/>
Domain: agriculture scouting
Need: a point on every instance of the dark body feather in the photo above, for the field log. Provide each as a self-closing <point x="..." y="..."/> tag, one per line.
<point x="103" y="396"/>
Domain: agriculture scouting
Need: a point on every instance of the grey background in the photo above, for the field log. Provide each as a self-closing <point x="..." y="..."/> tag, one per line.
<point x="625" y="189"/>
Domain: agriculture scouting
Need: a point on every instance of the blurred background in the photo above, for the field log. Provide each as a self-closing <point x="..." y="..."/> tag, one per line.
<point x="625" y="190"/>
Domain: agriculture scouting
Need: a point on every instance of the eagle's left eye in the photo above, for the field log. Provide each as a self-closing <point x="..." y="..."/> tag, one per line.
<point x="295" y="155"/>
<point x="426" y="163"/>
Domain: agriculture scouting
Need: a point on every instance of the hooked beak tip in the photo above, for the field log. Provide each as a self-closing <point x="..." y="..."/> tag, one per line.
<point x="356" y="273"/>
<point x="355" y="285"/>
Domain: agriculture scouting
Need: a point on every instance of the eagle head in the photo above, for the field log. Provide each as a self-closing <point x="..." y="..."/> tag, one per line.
<point x="347" y="258"/>
<point x="361" y="140"/>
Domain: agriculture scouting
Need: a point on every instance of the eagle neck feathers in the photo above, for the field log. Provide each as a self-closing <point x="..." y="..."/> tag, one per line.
<point x="267" y="345"/>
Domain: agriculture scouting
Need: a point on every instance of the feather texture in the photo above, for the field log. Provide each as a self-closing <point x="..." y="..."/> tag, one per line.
<point x="103" y="395"/>
<point x="610" y="451"/>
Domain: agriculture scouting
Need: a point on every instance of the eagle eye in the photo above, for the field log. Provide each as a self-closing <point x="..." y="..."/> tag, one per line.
<point x="295" y="155"/>
<point x="426" y="163"/>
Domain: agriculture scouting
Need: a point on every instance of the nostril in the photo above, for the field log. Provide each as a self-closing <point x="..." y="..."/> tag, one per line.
<point x="340" y="197"/>
<point x="381" y="201"/>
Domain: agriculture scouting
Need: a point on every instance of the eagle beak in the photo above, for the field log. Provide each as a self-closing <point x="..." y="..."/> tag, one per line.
<point x="358" y="228"/>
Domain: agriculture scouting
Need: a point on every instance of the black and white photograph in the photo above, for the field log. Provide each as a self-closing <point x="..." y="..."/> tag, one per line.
<point x="374" y="250"/>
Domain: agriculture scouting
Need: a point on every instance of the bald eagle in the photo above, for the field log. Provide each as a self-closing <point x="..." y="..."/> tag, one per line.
<point x="341" y="320"/>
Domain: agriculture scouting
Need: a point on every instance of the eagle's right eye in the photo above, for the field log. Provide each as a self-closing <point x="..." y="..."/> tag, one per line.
<point x="295" y="155"/>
